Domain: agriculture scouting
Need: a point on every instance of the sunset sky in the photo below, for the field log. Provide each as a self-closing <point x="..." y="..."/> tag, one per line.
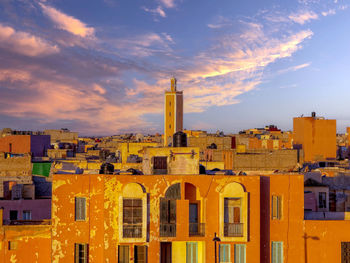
<point x="101" y="67"/>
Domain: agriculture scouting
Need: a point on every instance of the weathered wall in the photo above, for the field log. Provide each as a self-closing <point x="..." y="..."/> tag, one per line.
<point x="275" y="160"/>
<point x="322" y="240"/>
<point x="102" y="227"/>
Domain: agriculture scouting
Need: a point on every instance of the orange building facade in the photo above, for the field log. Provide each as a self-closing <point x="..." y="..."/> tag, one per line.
<point x="317" y="137"/>
<point x="173" y="218"/>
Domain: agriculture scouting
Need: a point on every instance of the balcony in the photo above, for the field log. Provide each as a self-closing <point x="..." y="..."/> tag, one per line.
<point x="132" y="231"/>
<point x="233" y="230"/>
<point x="167" y="230"/>
<point x="196" y="229"/>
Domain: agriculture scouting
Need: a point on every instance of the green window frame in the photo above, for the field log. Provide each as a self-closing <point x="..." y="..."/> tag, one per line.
<point x="191" y="252"/>
<point x="277" y="252"/>
<point x="240" y="253"/>
<point x="224" y="253"/>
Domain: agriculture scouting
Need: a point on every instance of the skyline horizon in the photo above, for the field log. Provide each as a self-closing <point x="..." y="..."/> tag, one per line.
<point x="104" y="68"/>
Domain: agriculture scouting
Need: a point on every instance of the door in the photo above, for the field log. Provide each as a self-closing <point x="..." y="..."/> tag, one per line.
<point x="165" y="252"/>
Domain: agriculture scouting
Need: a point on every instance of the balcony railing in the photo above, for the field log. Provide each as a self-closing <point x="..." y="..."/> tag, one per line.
<point x="196" y="229"/>
<point x="132" y="231"/>
<point x="233" y="229"/>
<point x="167" y="230"/>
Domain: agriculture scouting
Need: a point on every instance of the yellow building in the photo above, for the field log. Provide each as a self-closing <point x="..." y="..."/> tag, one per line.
<point x="173" y="112"/>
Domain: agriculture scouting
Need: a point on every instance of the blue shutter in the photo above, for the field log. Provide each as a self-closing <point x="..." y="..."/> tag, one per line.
<point x="240" y="253"/>
<point x="277" y="252"/>
<point x="224" y="253"/>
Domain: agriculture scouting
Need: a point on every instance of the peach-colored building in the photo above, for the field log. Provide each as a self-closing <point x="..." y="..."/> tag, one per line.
<point x="317" y="137"/>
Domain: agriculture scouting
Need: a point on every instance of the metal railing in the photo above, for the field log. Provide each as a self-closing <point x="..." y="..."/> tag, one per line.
<point x="196" y="229"/>
<point x="167" y="230"/>
<point x="132" y="230"/>
<point x="233" y="229"/>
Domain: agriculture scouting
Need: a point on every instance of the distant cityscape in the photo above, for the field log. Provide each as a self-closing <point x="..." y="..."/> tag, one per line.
<point x="262" y="195"/>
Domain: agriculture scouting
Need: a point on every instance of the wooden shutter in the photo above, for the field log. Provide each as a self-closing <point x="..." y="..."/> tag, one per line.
<point x="224" y="253"/>
<point x="137" y="211"/>
<point x="345" y="252"/>
<point x="76" y="253"/>
<point x="123" y="254"/>
<point x="240" y="254"/>
<point x="172" y="211"/>
<point x="80" y="208"/>
<point x="164" y="211"/>
<point x="140" y="254"/>
<point x="86" y="253"/>
<point x="237" y="215"/>
<point x="191" y="252"/>
<point x="277" y="252"/>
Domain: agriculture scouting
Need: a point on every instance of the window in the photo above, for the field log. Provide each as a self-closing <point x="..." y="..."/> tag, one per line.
<point x="232" y="217"/>
<point x="12" y="245"/>
<point x="322" y="199"/>
<point x="224" y="253"/>
<point x="276" y="207"/>
<point x="140" y="254"/>
<point x="167" y="217"/>
<point x="169" y="126"/>
<point x="160" y="165"/>
<point x="345" y="252"/>
<point x="13" y="215"/>
<point x="240" y="256"/>
<point x="81" y="253"/>
<point x="191" y="252"/>
<point x="10" y="147"/>
<point x="80" y="209"/>
<point x="169" y="113"/>
<point x="123" y="254"/>
<point x="27" y="215"/>
<point x="277" y="252"/>
<point x="132" y="218"/>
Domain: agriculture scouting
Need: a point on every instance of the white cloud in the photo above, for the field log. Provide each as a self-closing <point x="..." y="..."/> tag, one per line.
<point x="329" y="12"/>
<point x="303" y="16"/>
<point x="67" y="23"/>
<point x="294" y="68"/>
<point x="158" y="11"/>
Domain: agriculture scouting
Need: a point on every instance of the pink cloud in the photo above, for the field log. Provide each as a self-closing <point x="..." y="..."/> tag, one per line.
<point x="303" y="16"/>
<point x="25" y="43"/>
<point x="168" y="3"/>
<point x="67" y="23"/>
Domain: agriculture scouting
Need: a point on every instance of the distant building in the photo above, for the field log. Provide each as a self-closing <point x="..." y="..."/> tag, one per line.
<point x="316" y="136"/>
<point x="37" y="145"/>
<point x="173" y="113"/>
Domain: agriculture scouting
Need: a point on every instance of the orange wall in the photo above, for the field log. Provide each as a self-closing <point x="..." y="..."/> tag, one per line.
<point x="33" y="244"/>
<point x="101" y="228"/>
<point x="323" y="240"/>
<point x="20" y="143"/>
<point x="288" y="229"/>
<point x="318" y="137"/>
